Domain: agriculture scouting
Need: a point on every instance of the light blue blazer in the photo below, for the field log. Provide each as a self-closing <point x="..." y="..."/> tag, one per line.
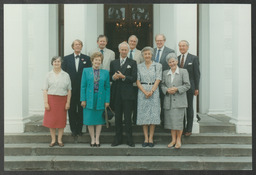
<point x="87" y="88"/>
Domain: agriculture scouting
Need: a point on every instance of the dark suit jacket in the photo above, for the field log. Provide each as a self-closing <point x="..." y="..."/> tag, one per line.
<point x="192" y="66"/>
<point x="165" y="52"/>
<point x="129" y="69"/>
<point x="69" y="66"/>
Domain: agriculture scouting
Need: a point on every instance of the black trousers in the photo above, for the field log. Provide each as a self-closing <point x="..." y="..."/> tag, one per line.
<point x="75" y="114"/>
<point x="162" y="109"/>
<point x="190" y="114"/>
<point x="123" y="107"/>
<point x="134" y="105"/>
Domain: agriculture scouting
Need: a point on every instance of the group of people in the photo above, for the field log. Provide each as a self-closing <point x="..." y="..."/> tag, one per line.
<point x="148" y="88"/>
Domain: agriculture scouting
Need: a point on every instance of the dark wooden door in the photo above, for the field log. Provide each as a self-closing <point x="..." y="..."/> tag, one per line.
<point x="121" y="21"/>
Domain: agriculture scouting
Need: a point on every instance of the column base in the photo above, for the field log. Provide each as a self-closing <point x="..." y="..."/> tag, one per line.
<point x="14" y="125"/>
<point x="242" y="126"/>
<point x="196" y="128"/>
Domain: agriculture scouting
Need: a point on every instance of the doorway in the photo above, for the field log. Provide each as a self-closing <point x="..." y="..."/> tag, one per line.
<point x="121" y="21"/>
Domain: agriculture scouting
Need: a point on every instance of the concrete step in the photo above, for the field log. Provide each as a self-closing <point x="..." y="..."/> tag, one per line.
<point x="164" y="138"/>
<point x="40" y="163"/>
<point x="124" y="150"/>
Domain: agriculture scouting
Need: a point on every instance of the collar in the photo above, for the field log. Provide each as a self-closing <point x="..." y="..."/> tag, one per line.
<point x="134" y="50"/>
<point x="162" y="48"/>
<point x="185" y="55"/>
<point x="177" y="71"/>
<point x="61" y="71"/>
<point x="76" y="55"/>
<point x="102" y="49"/>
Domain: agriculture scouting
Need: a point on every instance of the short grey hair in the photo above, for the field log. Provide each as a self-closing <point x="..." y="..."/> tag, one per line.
<point x="160" y="35"/>
<point x="185" y="42"/>
<point x="135" y="37"/>
<point x="55" y="58"/>
<point x="124" y="43"/>
<point x="171" y="55"/>
<point x="146" y="49"/>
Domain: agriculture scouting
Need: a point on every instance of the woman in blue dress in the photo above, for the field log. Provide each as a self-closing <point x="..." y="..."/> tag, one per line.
<point x="149" y="77"/>
<point x="95" y="96"/>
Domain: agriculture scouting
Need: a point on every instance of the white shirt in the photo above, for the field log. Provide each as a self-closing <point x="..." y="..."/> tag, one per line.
<point x="77" y="60"/>
<point x="121" y="60"/>
<point x="160" y="53"/>
<point x="57" y="84"/>
<point x="133" y="52"/>
<point x="177" y="71"/>
<point x="185" y="57"/>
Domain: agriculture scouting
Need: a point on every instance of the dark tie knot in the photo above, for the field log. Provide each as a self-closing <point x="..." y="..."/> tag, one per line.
<point x="101" y="51"/>
<point x="77" y="56"/>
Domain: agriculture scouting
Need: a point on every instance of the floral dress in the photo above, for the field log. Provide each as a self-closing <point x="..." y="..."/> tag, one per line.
<point x="149" y="108"/>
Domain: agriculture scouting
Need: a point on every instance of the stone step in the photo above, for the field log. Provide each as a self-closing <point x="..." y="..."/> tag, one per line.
<point x="164" y="138"/>
<point x="204" y="128"/>
<point x="41" y="163"/>
<point x="80" y="149"/>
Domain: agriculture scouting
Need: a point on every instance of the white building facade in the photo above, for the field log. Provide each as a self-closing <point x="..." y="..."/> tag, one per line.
<point x="224" y="41"/>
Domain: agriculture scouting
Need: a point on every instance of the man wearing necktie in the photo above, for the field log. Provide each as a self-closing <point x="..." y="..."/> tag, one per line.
<point x="191" y="63"/>
<point x="123" y="73"/>
<point x="108" y="54"/>
<point x="160" y="53"/>
<point x="134" y="54"/>
<point x="74" y="64"/>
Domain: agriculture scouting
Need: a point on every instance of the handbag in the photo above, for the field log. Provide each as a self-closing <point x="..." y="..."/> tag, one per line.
<point x="108" y="114"/>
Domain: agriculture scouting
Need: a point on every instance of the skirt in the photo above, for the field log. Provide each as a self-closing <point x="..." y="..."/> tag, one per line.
<point x="93" y="116"/>
<point x="173" y="118"/>
<point x="56" y="117"/>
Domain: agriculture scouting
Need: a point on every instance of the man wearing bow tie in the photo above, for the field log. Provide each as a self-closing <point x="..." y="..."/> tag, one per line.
<point x="74" y="64"/>
<point x="123" y="73"/>
<point x="191" y="63"/>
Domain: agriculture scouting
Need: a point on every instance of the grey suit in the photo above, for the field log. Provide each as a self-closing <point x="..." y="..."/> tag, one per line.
<point x="137" y="56"/>
<point x="192" y="66"/>
<point x="109" y="56"/>
<point x="165" y="66"/>
<point x="175" y="104"/>
<point x="165" y="52"/>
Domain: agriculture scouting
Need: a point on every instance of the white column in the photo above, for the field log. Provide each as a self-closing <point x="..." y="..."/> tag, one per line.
<point x="216" y="60"/>
<point x="80" y="23"/>
<point x="204" y="56"/>
<point x="15" y="69"/>
<point x="42" y="44"/>
<point x="242" y="94"/>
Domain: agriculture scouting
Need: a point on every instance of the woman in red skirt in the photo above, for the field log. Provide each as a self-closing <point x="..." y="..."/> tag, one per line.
<point x="57" y="93"/>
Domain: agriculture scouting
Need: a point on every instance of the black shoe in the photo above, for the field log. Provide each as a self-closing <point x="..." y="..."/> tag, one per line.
<point x="92" y="145"/>
<point x="151" y="145"/>
<point x="98" y="145"/>
<point x="131" y="144"/>
<point x="80" y="134"/>
<point x="198" y="118"/>
<point x="115" y="143"/>
<point x="144" y="144"/>
<point x="74" y="134"/>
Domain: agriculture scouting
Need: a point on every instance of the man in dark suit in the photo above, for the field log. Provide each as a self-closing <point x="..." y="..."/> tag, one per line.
<point x="123" y="73"/>
<point x="74" y="64"/>
<point x="160" y="53"/>
<point x="191" y="63"/>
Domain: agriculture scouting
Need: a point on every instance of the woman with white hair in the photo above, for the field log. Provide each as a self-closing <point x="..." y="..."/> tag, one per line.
<point x="148" y="79"/>
<point x="175" y="83"/>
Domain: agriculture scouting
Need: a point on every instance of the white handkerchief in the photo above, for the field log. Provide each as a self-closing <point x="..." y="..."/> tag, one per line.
<point x="189" y="63"/>
<point x="129" y="67"/>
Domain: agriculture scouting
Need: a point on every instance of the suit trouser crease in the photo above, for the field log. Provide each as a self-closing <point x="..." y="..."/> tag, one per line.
<point x="75" y="114"/>
<point x="123" y="107"/>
